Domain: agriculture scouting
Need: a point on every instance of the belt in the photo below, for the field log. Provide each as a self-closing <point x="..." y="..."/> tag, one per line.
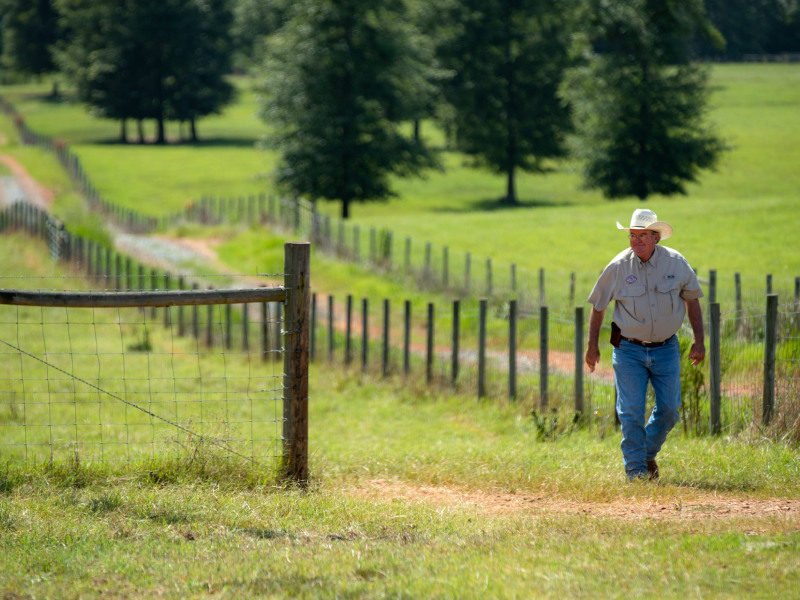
<point x="646" y="344"/>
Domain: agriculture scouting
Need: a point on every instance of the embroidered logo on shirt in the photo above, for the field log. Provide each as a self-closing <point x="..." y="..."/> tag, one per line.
<point x="631" y="279"/>
<point x="669" y="276"/>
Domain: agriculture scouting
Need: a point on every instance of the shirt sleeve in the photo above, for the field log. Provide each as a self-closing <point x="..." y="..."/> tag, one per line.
<point x="603" y="291"/>
<point x="691" y="289"/>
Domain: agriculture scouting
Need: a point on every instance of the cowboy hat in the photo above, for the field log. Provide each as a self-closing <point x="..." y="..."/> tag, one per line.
<point x="643" y="218"/>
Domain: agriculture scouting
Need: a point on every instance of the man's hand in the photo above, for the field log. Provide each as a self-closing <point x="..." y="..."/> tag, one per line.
<point x="697" y="353"/>
<point x="592" y="356"/>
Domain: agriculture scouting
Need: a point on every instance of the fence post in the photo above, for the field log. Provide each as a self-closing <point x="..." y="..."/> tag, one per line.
<point x="482" y="348"/>
<point x="770" y="342"/>
<point x="295" y="379"/>
<point x="712" y="286"/>
<point x="330" y="327"/>
<point x="406" y="337"/>
<point x="512" y="349"/>
<point x="543" y="351"/>
<point x="385" y="369"/>
<point x="456" y="342"/>
<point x="348" y="343"/>
<point x="579" y="359"/>
<point x="541" y="287"/>
<point x="715" y="367"/>
<point x="429" y="349"/>
<point x="364" y="333"/>
<point x="489" y="277"/>
<point x="313" y="327"/>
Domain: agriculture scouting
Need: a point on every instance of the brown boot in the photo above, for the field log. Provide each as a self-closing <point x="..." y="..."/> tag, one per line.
<point x="652" y="469"/>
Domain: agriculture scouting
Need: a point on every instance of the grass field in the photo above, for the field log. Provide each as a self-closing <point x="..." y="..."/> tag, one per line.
<point x="417" y="493"/>
<point x="733" y="220"/>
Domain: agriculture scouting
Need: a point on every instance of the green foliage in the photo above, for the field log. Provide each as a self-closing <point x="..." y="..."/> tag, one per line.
<point x="339" y="81"/>
<point x="507" y="61"/>
<point x="639" y="104"/>
<point x="148" y="59"/>
<point x="29" y="31"/>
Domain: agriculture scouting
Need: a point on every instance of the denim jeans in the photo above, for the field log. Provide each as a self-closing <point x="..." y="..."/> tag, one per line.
<point x="634" y="366"/>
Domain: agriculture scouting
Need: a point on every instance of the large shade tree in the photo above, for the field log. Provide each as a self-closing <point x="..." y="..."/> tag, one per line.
<point x="342" y="81"/>
<point x="507" y="59"/>
<point x="148" y="59"/>
<point x="29" y="32"/>
<point x="639" y="101"/>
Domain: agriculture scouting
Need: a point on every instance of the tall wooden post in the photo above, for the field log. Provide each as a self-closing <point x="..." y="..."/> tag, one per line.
<point x="770" y="347"/>
<point x="297" y="282"/>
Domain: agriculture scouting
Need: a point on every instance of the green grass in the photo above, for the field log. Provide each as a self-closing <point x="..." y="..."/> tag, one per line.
<point x="414" y="493"/>
<point x="733" y="220"/>
<point x="571" y="527"/>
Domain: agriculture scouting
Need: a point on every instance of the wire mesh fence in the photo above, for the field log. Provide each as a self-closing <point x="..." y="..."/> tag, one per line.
<point x="145" y="368"/>
<point x="112" y="384"/>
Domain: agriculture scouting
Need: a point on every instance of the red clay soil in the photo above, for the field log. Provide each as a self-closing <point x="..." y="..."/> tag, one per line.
<point x="697" y="505"/>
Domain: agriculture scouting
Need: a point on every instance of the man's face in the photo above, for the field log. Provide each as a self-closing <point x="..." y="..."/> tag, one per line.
<point x="643" y="242"/>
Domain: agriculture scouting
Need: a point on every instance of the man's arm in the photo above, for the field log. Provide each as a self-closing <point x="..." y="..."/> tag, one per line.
<point x="593" y="349"/>
<point x="695" y="312"/>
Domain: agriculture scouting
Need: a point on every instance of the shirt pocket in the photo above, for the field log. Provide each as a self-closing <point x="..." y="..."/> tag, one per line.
<point x="668" y="294"/>
<point x="634" y="300"/>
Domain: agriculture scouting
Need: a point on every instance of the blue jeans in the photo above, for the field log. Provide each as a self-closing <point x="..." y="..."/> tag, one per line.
<point x="634" y="366"/>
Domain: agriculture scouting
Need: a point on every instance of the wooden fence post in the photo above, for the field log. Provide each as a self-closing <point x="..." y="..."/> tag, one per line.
<point x="385" y="362"/>
<point x="543" y="352"/>
<point x="406" y="337"/>
<point x="348" y="335"/>
<point x="579" y="359"/>
<point x="715" y="366"/>
<point x="330" y="327"/>
<point x="364" y="333"/>
<point x="430" y="346"/>
<point x="456" y="342"/>
<point x="295" y="379"/>
<point x="512" y="349"/>
<point x="770" y="343"/>
<point x="482" y="348"/>
<point x="313" y="327"/>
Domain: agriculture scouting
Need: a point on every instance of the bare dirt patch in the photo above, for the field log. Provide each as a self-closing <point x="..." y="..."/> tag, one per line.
<point x="36" y="193"/>
<point x="702" y="505"/>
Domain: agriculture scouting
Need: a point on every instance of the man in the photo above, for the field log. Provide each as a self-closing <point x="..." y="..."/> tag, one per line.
<point x="653" y="288"/>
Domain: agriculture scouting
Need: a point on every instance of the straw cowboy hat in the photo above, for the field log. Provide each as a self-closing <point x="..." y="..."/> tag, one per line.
<point x="643" y="218"/>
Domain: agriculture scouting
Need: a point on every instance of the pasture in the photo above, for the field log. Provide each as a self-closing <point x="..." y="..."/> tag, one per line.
<point x="420" y="493"/>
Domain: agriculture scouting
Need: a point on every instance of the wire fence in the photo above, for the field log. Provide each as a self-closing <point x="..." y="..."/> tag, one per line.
<point x="536" y="357"/>
<point x="132" y="365"/>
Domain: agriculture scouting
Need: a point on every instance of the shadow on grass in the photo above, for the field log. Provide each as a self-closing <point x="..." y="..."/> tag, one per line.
<point x="133" y="141"/>
<point x="498" y="205"/>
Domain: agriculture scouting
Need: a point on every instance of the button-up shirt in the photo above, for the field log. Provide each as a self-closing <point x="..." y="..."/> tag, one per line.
<point x="649" y="296"/>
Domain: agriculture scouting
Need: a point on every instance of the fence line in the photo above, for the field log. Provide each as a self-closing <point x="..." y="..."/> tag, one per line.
<point x="190" y="328"/>
<point x="547" y="353"/>
<point x="427" y="266"/>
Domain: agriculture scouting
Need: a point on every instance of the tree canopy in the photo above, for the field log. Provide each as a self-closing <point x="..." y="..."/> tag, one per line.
<point x="342" y="78"/>
<point x="148" y="59"/>
<point x="508" y="60"/>
<point x="640" y="102"/>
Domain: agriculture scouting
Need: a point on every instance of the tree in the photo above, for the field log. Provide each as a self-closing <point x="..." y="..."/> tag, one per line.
<point x="508" y="59"/>
<point x="30" y="29"/>
<point x="341" y="79"/>
<point x="148" y="59"/>
<point x="639" y="101"/>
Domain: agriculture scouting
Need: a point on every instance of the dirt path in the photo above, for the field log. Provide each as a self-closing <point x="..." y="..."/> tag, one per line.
<point x="696" y="505"/>
<point x="23" y="184"/>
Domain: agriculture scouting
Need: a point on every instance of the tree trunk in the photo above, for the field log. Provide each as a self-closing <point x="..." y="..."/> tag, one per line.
<point x="123" y="131"/>
<point x="511" y="189"/>
<point x="161" y="138"/>
<point x="345" y="208"/>
<point x="193" y="127"/>
<point x="140" y="127"/>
